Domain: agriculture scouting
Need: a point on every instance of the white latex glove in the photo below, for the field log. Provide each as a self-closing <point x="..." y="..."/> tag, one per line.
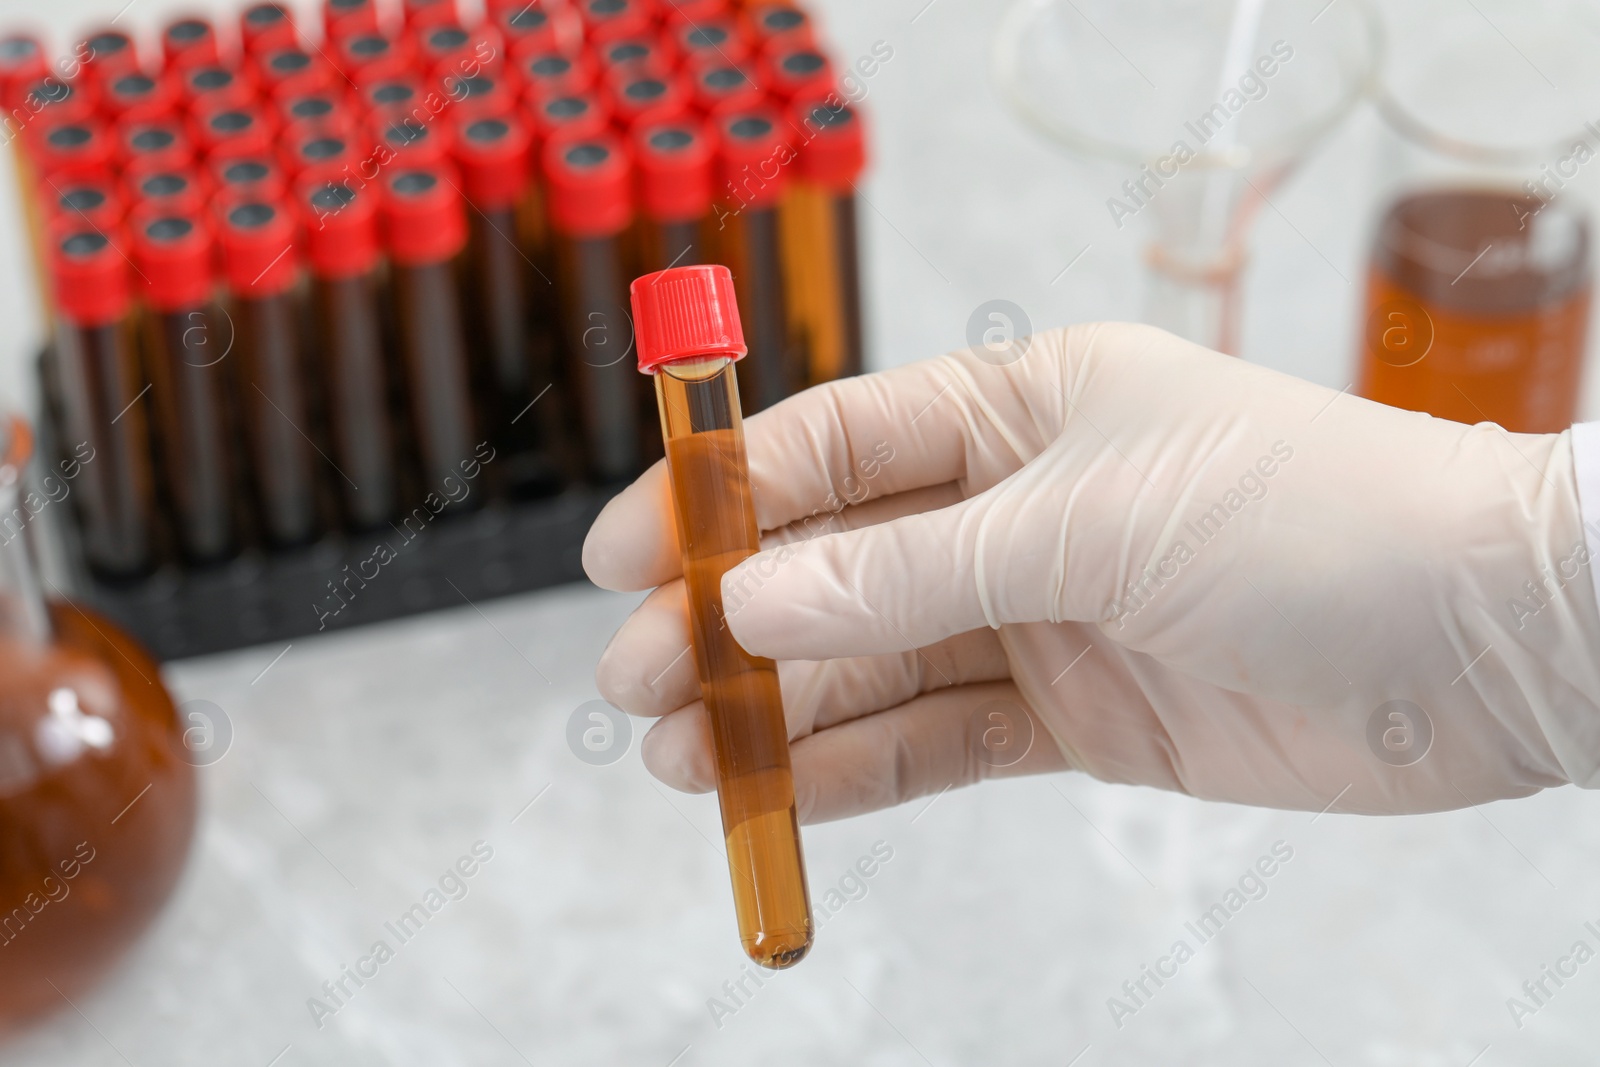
<point x="1336" y="555"/>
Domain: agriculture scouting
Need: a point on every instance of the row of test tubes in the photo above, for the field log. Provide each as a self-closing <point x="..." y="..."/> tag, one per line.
<point x="301" y="283"/>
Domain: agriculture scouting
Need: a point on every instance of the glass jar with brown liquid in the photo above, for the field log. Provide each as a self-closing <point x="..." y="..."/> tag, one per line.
<point x="97" y="797"/>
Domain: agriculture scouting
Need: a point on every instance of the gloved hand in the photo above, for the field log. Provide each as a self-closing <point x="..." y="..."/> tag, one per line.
<point x="1191" y="572"/>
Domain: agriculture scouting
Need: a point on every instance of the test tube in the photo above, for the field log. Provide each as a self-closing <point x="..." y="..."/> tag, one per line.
<point x="71" y="149"/>
<point x="821" y="268"/>
<point x="689" y="338"/>
<point x="369" y="57"/>
<point x="148" y="147"/>
<point x="343" y="17"/>
<point x="98" y="369"/>
<point x="781" y="22"/>
<point x="674" y="163"/>
<point x="493" y="156"/>
<point x="612" y="20"/>
<point x="185" y="345"/>
<point x="294" y="70"/>
<point x="552" y="75"/>
<point x="233" y="132"/>
<point x="427" y="230"/>
<point x="340" y="223"/>
<point x="93" y="202"/>
<point x="22" y="63"/>
<point x="795" y="72"/>
<point x="260" y="262"/>
<point x="590" y="208"/>
<point x="715" y="41"/>
<point x="719" y="90"/>
<point x="644" y="95"/>
<point x="421" y="15"/>
<point x="213" y="87"/>
<point x="248" y="178"/>
<point x="751" y="177"/>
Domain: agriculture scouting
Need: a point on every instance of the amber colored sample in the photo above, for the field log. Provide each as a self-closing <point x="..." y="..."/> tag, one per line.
<point x="699" y="404"/>
<point x="1477" y="309"/>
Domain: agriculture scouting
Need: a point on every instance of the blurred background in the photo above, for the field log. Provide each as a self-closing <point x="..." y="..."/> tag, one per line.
<point x="344" y="777"/>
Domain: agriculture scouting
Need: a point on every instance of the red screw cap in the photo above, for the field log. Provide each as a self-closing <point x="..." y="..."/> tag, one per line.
<point x="319" y="150"/>
<point x="189" y="41"/>
<point x="493" y="154"/>
<point x="148" y="147"/>
<point x="56" y="99"/>
<point x="638" y="53"/>
<point x="833" y="145"/>
<point x="612" y="20"/>
<point x="715" y="41"/>
<point x="231" y="132"/>
<point x="675" y="164"/>
<point x="248" y="178"/>
<point x="753" y="157"/>
<point x="645" y="96"/>
<point x="547" y="75"/>
<point x="89" y="203"/>
<point x="423" y="217"/>
<point x="793" y="72"/>
<point x="106" y="54"/>
<point x="370" y="57"/>
<point x="168" y="192"/>
<point x="340" y="17"/>
<point x="324" y="110"/>
<point x="421" y="14"/>
<point x="481" y="95"/>
<point x="527" y="29"/>
<point x="293" y="70"/>
<point x="570" y="118"/>
<point x="685" y="313"/>
<point x="340" y="223"/>
<point x="173" y="254"/>
<point x="392" y="95"/>
<point x="258" y="248"/>
<point x="781" y="22"/>
<point x="588" y="186"/>
<point x="90" y="275"/>
<point x="451" y="48"/>
<point x="137" y="97"/>
<point x="266" y="27"/>
<point x="719" y="90"/>
<point x="71" y="149"/>
<point x="211" y="85"/>
<point x="693" y="10"/>
<point x="404" y="141"/>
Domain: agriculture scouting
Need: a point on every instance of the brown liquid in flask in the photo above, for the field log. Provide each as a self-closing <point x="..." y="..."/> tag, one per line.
<point x="97" y="789"/>
<point x="1478" y="309"/>
<point x="689" y="338"/>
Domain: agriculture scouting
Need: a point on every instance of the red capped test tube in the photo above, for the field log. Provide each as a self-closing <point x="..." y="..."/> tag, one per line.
<point x="424" y="14"/>
<point x="796" y="72"/>
<point x="642" y="96"/>
<point x="93" y="203"/>
<point x="168" y="192"/>
<point x="444" y="49"/>
<point x="370" y="57"/>
<point x="781" y="22"/>
<point x="261" y="263"/>
<point x="160" y="145"/>
<point x="22" y="63"/>
<point x="343" y="255"/>
<point x="324" y="109"/>
<point x="650" y="52"/>
<point x="715" y="42"/>
<point x="689" y="338"/>
<point x="266" y="26"/>
<point x="527" y="29"/>
<point x="493" y="155"/>
<point x="391" y="96"/>
<point x="723" y="90"/>
<point x="589" y="203"/>
<point x="294" y="70"/>
<point x="426" y="228"/>
<point x="71" y="150"/>
<point x="411" y="142"/>
<point x="243" y="178"/>
<point x="98" y="370"/>
<point x="547" y="75"/>
<point x="184" y="345"/>
<point x="612" y="20"/>
<point x="214" y="87"/>
<point x="822" y="274"/>
<point x="674" y="162"/>
<point x="752" y="175"/>
<point x="229" y="132"/>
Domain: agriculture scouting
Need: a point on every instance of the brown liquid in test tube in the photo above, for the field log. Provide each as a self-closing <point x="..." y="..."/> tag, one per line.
<point x="340" y="223"/>
<point x="1478" y="309"/>
<point x="752" y="175"/>
<point x="262" y="263"/>
<point x="427" y="230"/>
<point x="822" y="275"/>
<point x="186" y="343"/>
<point x="98" y="370"/>
<point x="688" y="339"/>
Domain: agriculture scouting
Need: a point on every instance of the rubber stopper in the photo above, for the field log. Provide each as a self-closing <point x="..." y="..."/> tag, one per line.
<point x="258" y="247"/>
<point x="89" y="274"/>
<point x="340" y="224"/>
<point x="173" y="256"/>
<point x="833" y="144"/>
<point x="675" y="167"/>
<point x="753" y="156"/>
<point x="587" y="186"/>
<point x="493" y="154"/>
<point x="424" y="222"/>
<point x="685" y="313"/>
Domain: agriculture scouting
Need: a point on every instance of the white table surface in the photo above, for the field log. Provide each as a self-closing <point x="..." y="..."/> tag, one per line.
<point x="367" y="762"/>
